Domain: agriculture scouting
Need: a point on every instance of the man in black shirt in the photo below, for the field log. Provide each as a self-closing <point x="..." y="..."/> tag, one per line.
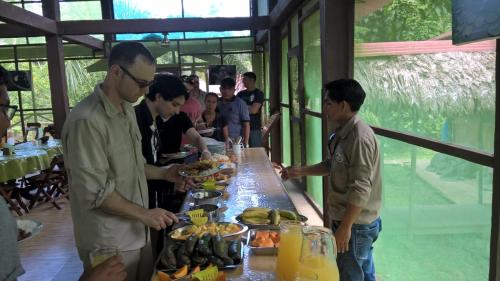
<point x="165" y="97"/>
<point x="254" y="98"/>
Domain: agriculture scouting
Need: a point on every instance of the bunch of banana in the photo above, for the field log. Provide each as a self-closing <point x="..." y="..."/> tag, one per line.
<point x="258" y="215"/>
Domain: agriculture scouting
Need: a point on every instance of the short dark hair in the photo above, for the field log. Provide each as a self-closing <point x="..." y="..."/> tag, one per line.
<point x="348" y="90"/>
<point x="4" y="76"/>
<point x="169" y="87"/>
<point x="124" y="53"/>
<point x="211" y="94"/>
<point x="187" y="79"/>
<point x="193" y="76"/>
<point x="250" y="75"/>
<point x="227" y="83"/>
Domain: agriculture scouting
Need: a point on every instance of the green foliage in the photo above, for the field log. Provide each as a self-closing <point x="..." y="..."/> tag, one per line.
<point x="405" y="20"/>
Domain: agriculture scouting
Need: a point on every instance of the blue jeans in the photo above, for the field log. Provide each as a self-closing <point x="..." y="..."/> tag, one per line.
<point x="357" y="263"/>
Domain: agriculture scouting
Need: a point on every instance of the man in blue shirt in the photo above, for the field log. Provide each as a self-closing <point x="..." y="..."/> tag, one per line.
<point x="234" y="112"/>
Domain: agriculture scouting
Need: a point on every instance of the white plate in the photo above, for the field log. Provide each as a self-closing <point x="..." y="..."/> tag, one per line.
<point x="30" y="226"/>
<point x="206" y="131"/>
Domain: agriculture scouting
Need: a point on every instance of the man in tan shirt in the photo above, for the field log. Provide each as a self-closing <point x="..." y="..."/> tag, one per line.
<point x="355" y="183"/>
<point x="106" y="170"/>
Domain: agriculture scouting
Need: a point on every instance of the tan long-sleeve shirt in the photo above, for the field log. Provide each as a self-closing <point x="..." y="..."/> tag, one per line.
<point x="102" y="154"/>
<point x="355" y="172"/>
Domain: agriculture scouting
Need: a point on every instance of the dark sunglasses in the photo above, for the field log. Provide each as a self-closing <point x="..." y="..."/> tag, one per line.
<point x="9" y="110"/>
<point x="140" y="82"/>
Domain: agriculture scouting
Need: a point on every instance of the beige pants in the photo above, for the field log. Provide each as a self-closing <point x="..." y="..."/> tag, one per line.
<point x="138" y="263"/>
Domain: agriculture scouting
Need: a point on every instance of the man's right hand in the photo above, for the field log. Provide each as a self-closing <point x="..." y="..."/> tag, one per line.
<point x="290" y="173"/>
<point x="158" y="218"/>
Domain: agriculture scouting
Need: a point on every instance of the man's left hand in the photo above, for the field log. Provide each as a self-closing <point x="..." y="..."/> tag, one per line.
<point x="342" y="237"/>
<point x="171" y="173"/>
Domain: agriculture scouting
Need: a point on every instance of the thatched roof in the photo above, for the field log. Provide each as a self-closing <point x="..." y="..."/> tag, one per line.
<point x="455" y="83"/>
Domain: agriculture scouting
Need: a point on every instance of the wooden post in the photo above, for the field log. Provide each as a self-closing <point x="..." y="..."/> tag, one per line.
<point x="495" y="212"/>
<point x="337" y="58"/>
<point x="274" y="41"/>
<point x="57" y="75"/>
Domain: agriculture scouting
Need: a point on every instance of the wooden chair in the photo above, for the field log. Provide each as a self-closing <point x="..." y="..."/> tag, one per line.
<point x="11" y="192"/>
<point x="50" y="184"/>
<point x="32" y="128"/>
<point x="266" y="130"/>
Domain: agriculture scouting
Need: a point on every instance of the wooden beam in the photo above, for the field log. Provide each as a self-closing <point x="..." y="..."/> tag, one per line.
<point x="16" y="15"/>
<point x="495" y="212"/>
<point x="85" y="40"/>
<point x="161" y="25"/>
<point x="337" y="60"/>
<point x="274" y="41"/>
<point x="108" y="13"/>
<point x="337" y="33"/>
<point x="10" y="30"/>
<point x="469" y="154"/>
<point x="57" y="73"/>
<point x="282" y="10"/>
<point x="261" y="37"/>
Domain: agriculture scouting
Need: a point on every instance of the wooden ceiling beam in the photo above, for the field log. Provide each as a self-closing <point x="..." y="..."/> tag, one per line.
<point x="161" y="25"/>
<point x="282" y="10"/>
<point x="10" y="30"/>
<point x="85" y="40"/>
<point x="19" y="16"/>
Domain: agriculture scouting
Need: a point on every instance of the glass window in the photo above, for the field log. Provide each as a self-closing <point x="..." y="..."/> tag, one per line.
<point x="284" y="71"/>
<point x="137" y="9"/>
<point x="199" y="46"/>
<point x="436" y="214"/>
<point x="446" y="95"/>
<point x="286" y="148"/>
<point x="85" y="10"/>
<point x="216" y="8"/>
<point x="149" y="36"/>
<point x="6" y="53"/>
<point x="12" y="41"/>
<point x="238" y="44"/>
<point x="33" y="7"/>
<point x="312" y="62"/>
<point x="80" y="82"/>
<point x="215" y="34"/>
<point x="243" y="62"/>
<point x="314" y="155"/>
<point x="263" y="7"/>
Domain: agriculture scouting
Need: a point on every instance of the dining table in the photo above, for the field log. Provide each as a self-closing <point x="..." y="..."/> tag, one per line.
<point x="255" y="184"/>
<point x="27" y="158"/>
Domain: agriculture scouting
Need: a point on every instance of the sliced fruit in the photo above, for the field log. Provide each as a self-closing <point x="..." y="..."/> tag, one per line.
<point x="196" y="269"/>
<point x="183" y="271"/>
<point x="162" y="276"/>
<point x="221" y="276"/>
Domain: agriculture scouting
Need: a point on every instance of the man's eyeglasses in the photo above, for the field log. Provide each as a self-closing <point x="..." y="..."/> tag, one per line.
<point x="140" y="82"/>
<point x="8" y="110"/>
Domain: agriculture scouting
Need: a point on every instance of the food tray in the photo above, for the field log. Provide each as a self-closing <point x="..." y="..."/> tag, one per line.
<point x="263" y="251"/>
<point x="232" y="236"/>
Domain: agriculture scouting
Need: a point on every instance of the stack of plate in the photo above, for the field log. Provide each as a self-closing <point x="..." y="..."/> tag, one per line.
<point x="215" y="146"/>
